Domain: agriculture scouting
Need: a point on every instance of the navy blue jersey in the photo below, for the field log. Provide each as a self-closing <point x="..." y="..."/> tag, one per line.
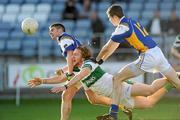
<point x="67" y="42"/>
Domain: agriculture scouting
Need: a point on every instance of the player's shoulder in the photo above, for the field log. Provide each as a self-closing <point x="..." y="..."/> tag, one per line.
<point x="66" y="38"/>
<point x="89" y="61"/>
<point x="121" y="28"/>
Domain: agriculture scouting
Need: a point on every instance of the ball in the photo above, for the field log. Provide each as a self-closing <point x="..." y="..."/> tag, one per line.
<point x="29" y="26"/>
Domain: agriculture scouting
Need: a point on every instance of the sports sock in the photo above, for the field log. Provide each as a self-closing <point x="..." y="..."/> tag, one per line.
<point x="168" y="87"/>
<point x="114" y="111"/>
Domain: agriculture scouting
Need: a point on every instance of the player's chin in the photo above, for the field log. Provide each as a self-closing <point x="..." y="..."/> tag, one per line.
<point x="52" y="37"/>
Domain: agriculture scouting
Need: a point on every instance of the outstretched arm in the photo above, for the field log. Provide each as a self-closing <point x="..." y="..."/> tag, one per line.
<point x="83" y="73"/>
<point x="52" y="80"/>
<point x="107" y="50"/>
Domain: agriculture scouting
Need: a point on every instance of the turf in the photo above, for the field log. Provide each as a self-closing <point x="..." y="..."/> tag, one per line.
<point x="48" y="109"/>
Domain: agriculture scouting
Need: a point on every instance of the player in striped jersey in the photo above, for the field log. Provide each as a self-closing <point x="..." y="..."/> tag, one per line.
<point x="151" y="58"/>
<point x="93" y="77"/>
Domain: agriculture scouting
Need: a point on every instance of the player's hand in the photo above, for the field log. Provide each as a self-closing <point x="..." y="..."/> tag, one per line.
<point x="58" y="89"/>
<point x="35" y="82"/>
<point x="59" y="72"/>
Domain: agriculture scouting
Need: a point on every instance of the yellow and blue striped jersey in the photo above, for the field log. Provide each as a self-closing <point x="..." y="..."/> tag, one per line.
<point x="134" y="33"/>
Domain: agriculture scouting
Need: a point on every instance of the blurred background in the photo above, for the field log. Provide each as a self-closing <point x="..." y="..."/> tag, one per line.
<point x="23" y="57"/>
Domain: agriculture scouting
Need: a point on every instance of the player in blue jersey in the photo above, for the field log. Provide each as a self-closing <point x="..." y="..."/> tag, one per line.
<point x="68" y="44"/>
<point x="151" y="58"/>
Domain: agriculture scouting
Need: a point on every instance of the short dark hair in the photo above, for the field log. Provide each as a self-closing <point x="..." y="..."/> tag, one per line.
<point x="85" y="51"/>
<point x="58" y="26"/>
<point x="115" y="9"/>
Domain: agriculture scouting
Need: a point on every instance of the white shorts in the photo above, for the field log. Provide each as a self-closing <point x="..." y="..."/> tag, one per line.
<point x="126" y="99"/>
<point x="152" y="60"/>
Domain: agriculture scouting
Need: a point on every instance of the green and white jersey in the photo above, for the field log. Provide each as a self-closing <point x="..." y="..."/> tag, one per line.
<point x="101" y="83"/>
<point x="98" y="80"/>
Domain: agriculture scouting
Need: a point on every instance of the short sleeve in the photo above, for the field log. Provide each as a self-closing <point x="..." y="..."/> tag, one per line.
<point x="87" y="66"/>
<point x="120" y="33"/>
<point x="67" y="44"/>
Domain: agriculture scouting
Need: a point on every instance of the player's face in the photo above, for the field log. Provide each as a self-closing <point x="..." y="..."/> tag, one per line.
<point x="113" y="20"/>
<point x="77" y="57"/>
<point x="54" y="32"/>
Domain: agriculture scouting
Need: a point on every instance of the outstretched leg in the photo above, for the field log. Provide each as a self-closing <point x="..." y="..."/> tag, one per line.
<point x="150" y="101"/>
<point x="140" y="89"/>
<point x="93" y="98"/>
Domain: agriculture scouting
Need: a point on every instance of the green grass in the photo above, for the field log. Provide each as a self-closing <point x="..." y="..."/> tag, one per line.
<point x="48" y="109"/>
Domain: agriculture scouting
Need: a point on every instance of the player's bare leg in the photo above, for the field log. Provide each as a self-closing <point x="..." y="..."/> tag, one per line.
<point x="129" y="71"/>
<point x="93" y="98"/>
<point x="172" y="77"/>
<point x="140" y="89"/>
<point x="150" y="101"/>
<point x="66" y="104"/>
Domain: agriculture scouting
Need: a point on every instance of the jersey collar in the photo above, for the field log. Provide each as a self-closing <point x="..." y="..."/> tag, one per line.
<point x="121" y="19"/>
<point x="59" y="37"/>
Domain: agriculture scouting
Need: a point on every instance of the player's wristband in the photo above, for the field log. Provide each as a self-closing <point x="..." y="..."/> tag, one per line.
<point x="100" y="61"/>
<point x="69" y="76"/>
<point x="66" y="87"/>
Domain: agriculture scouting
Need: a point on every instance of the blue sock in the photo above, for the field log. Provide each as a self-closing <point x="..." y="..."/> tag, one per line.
<point x="114" y="111"/>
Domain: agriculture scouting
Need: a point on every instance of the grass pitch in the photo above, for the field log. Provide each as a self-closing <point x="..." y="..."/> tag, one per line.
<point x="48" y="109"/>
